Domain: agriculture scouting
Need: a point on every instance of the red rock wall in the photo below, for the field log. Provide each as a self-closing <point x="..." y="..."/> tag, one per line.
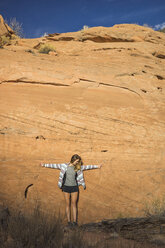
<point x="103" y="101"/>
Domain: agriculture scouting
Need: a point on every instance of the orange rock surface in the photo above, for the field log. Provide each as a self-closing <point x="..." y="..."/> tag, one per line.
<point x="100" y="95"/>
<point x="4" y="28"/>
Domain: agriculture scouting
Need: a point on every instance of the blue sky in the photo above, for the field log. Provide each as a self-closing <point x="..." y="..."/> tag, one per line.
<point x="59" y="16"/>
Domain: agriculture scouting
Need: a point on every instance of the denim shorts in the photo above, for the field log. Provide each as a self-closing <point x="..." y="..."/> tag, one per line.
<point x="70" y="189"/>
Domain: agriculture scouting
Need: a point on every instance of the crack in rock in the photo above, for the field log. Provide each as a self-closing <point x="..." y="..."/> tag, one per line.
<point x="112" y="48"/>
<point x="32" y="82"/>
<point x="110" y="85"/>
<point x="159" y="77"/>
<point x="128" y="74"/>
<point x="158" y="55"/>
<point x="58" y="84"/>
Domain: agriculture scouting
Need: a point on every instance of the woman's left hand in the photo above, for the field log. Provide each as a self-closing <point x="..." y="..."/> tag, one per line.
<point x="99" y="166"/>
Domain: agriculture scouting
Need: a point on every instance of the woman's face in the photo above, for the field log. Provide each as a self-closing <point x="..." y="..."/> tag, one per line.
<point x="76" y="162"/>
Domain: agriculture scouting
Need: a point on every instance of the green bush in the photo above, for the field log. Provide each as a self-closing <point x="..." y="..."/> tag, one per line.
<point x="46" y="48"/>
<point x="4" y="40"/>
<point x="14" y="37"/>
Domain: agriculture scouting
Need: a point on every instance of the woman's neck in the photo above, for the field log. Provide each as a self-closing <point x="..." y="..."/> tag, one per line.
<point x="70" y="164"/>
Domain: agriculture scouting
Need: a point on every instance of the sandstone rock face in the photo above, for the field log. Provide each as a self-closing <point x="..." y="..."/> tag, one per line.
<point x="4" y="28"/>
<point x="102" y="97"/>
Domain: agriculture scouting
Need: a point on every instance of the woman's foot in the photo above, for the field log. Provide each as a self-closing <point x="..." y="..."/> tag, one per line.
<point x="69" y="223"/>
<point x="74" y="223"/>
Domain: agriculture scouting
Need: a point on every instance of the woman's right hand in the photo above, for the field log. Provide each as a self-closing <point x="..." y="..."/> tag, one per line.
<point x="42" y="164"/>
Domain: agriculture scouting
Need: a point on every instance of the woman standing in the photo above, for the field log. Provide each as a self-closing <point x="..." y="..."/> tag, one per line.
<point x="71" y="177"/>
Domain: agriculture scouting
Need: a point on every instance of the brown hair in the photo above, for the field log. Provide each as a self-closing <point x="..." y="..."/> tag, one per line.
<point x="78" y="165"/>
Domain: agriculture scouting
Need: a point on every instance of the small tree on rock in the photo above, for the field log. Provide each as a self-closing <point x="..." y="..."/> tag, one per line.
<point x="15" y="26"/>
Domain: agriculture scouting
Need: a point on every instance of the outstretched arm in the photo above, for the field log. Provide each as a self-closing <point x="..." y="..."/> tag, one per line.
<point x="53" y="166"/>
<point x="89" y="167"/>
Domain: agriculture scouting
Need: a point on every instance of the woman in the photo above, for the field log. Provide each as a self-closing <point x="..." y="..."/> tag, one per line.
<point x="71" y="177"/>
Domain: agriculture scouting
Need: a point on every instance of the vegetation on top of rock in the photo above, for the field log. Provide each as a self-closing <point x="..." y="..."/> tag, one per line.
<point x="85" y="27"/>
<point x="15" y="26"/>
<point x="46" y="48"/>
<point x="38" y="229"/>
<point x="162" y="30"/>
<point x="4" y="40"/>
<point x="155" y="207"/>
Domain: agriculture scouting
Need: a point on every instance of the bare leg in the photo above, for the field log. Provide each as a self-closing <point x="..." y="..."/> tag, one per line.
<point x="67" y="201"/>
<point x="74" y="197"/>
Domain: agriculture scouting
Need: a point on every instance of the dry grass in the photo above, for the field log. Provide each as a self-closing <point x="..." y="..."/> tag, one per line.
<point x="46" y="48"/>
<point x="4" y="40"/>
<point x="15" y="37"/>
<point x="155" y="207"/>
<point x="39" y="230"/>
<point x="32" y="230"/>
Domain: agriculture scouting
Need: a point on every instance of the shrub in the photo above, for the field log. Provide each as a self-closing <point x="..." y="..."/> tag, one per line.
<point x="155" y="207"/>
<point x="38" y="229"/>
<point x="44" y="35"/>
<point x="85" y="27"/>
<point x="146" y="25"/>
<point x="35" y="229"/>
<point x="15" y="26"/>
<point x="14" y="37"/>
<point x="45" y="48"/>
<point x="162" y="30"/>
<point x="4" y="40"/>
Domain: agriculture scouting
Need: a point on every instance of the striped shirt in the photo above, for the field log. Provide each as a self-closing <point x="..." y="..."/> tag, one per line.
<point x="63" y="168"/>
